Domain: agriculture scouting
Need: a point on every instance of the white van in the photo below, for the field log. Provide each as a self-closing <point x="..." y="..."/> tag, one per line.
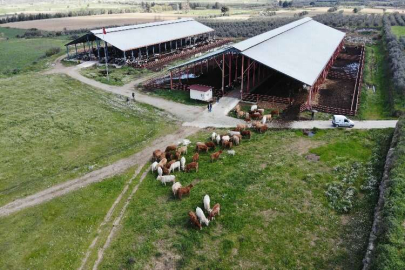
<point x="342" y="121"/>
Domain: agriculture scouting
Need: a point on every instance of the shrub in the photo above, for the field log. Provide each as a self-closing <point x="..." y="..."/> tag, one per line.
<point x="52" y="51"/>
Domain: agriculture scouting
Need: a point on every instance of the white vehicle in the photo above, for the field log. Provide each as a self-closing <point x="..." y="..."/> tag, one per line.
<point x="342" y="121"/>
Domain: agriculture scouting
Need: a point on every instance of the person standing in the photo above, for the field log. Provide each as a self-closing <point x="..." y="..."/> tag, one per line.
<point x="133" y="96"/>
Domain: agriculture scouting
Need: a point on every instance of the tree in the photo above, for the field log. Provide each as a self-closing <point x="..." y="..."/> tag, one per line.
<point x="285" y="4"/>
<point x="311" y="4"/>
<point x="356" y="10"/>
<point x="280" y="3"/>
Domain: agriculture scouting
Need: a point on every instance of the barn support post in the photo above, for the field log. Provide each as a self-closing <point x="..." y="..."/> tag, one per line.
<point x="98" y="48"/>
<point x="76" y="49"/>
<point x="84" y="46"/>
<point x="230" y="69"/>
<point x="125" y="56"/>
<point x="88" y="44"/>
<point x="254" y="73"/>
<point x="223" y="73"/>
<point x="248" y="77"/>
<point x="258" y="72"/>
<point x="132" y="54"/>
<point x="171" y="79"/>
<point x="241" y="84"/>
<point x="153" y="50"/>
<point x="160" y="48"/>
<point x="180" y="76"/>
<point x="106" y="59"/>
<point x="67" y="51"/>
<point x="188" y="71"/>
<point x="236" y="67"/>
<point x="147" y="53"/>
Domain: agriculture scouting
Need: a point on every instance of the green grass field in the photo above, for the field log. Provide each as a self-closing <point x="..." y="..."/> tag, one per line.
<point x="398" y="30"/>
<point x="54" y="128"/>
<point x="19" y="55"/>
<point x="56" y="234"/>
<point x="177" y="96"/>
<point x="274" y="208"/>
<point x="118" y="76"/>
<point x="375" y="105"/>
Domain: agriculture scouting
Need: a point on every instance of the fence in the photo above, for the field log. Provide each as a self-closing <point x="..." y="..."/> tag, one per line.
<point x="256" y="98"/>
<point x="184" y="54"/>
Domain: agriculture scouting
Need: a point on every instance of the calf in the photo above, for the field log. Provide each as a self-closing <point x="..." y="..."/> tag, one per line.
<point x="216" y="155"/>
<point x="191" y="166"/>
<point x="235" y="140"/>
<point x="201" y="147"/>
<point x="162" y="162"/>
<point x="194" y="219"/>
<point x="207" y="203"/>
<point x="175" y="187"/>
<point x="196" y="157"/>
<point x="215" y="211"/>
<point x="263" y="129"/>
<point x="201" y="216"/>
<point x="174" y="166"/>
<point x="246" y="133"/>
<point x="183" y="163"/>
<point x="171" y="148"/>
<point x="166" y="179"/>
<point x="241" y="127"/>
<point x="210" y="145"/>
<point x="184" y="191"/>
<point x="231" y="152"/>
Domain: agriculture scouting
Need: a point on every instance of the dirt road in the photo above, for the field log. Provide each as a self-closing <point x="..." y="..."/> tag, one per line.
<point x="118" y="167"/>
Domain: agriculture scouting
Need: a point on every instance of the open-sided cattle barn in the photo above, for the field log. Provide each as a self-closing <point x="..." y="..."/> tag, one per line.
<point x="286" y="65"/>
<point x="142" y="43"/>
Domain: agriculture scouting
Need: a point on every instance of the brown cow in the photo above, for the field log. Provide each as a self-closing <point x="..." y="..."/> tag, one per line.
<point x="156" y="155"/>
<point x="196" y="156"/>
<point x="168" y="164"/>
<point x="216" y="155"/>
<point x="184" y="191"/>
<point x="210" y="145"/>
<point x="215" y="211"/>
<point x="192" y="165"/>
<point x="171" y="148"/>
<point x="246" y="133"/>
<point x="201" y="147"/>
<point x="227" y="144"/>
<point x="194" y="219"/>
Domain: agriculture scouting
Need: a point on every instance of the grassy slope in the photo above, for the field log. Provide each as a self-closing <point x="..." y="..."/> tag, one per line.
<point x="56" y="235"/>
<point x="274" y="210"/>
<point x="25" y="54"/>
<point x="54" y="128"/>
<point x="390" y="252"/>
<point x="398" y="30"/>
<point x="118" y="76"/>
<point x="375" y="105"/>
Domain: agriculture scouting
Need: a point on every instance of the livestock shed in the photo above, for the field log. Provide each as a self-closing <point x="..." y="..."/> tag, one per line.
<point x="141" y="43"/>
<point x="286" y="65"/>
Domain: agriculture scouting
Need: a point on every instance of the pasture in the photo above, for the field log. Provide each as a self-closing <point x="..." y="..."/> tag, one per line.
<point x="56" y="234"/>
<point x="25" y="54"/>
<point x="276" y="207"/>
<point x="54" y="128"/>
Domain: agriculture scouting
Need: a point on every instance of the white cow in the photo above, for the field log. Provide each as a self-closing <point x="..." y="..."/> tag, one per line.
<point x="264" y="120"/>
<point x="201" y="216"/>
<point x="213" y="136"/>
<point x="207" y="203"/>
<point x="154" y="166"/>
<point x="160" y="171"/>
<point x="166" y="179"/>
<point x="174" y="166"/>
<point x="183" y="163"/>
<point x="253" y="108"/>
<point x="218" y="139"/>
<point x="175" y="187"/>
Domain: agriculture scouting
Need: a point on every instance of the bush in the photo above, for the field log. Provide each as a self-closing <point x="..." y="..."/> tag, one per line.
<point x="52" y="51"/>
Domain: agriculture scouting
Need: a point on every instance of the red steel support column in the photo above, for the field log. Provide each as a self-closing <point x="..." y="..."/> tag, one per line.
<point x="171" y="79"/>
<point x="230" y="69"/>
<point x="223" y="73"/>
<point x="248" y="77"/>
<point x="241" y="85"/>
<point x="236" y="70"/>
<point x="254" y="73"/>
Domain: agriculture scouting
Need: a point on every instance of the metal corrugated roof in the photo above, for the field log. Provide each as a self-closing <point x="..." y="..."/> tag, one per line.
<point x="203" y="57"/>
<point x="133" y="37"/>
<point x="300" y="50"/>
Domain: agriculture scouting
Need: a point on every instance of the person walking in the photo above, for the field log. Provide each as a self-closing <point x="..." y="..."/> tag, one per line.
<point x="133" y="96"/>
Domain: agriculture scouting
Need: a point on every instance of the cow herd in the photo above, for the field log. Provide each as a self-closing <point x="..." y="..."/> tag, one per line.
<point x="172" y="159"/>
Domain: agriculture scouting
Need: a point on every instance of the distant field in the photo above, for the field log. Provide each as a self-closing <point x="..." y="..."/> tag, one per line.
<point x="25" y="54"/>
<point x="90" y="22"/>
<point x="398" y="30"/>
<point x="54" y="128"/>
<point x="274" y="209"/>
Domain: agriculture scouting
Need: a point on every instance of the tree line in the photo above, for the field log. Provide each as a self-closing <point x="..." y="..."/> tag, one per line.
<point x="396" y="57"/>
